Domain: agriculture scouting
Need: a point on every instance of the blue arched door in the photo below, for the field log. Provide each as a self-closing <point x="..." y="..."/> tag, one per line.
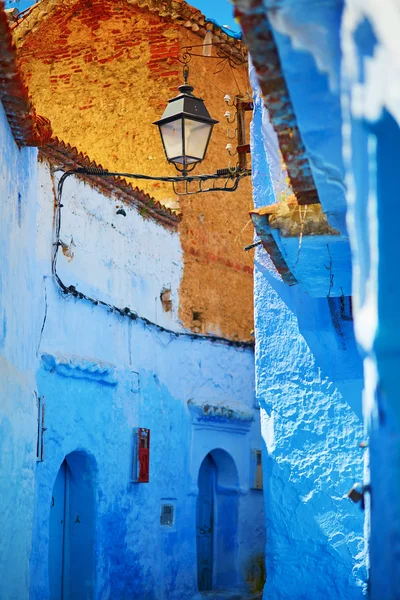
<point x="71" y="531"/>
<point x="205" y="523"/>
<point x="57" y="532"/>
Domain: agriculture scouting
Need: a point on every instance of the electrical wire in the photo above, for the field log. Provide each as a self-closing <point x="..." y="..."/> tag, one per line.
<point x="208" y="80"/>
<point x="232" y="176"/>
<point x="125" y="312"/>
<point x="234" y="78"/>
<point x="220" y="173"/>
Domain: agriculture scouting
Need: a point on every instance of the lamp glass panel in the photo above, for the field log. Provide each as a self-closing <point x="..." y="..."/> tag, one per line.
<point x="196" y="138"/>
<point x="172" y="137"/>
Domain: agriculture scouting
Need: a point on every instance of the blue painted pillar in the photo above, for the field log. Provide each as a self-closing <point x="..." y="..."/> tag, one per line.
<point x="372" y="150"/>
<point x="373" y="206"/>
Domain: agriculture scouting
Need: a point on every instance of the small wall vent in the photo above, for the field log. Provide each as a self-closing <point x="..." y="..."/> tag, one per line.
<point x="167" y="516"/>
<point x="256" y="470"/>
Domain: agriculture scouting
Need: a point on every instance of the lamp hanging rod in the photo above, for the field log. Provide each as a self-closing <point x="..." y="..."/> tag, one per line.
<point x="231" y="177"/>
<point x="226" y="173"/>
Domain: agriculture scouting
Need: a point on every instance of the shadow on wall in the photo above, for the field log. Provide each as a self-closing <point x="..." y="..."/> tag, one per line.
<point x="328" y="330"/>
<point x="72" y="529"/>
<point x="329" y="337"/>
<point x="309" y="385"/>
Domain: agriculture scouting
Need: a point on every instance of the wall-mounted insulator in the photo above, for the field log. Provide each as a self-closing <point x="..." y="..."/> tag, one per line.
<point x="229" y="149"/>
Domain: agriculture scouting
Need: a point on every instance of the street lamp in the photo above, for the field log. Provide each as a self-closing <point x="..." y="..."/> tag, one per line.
<point x="185" y="128"/>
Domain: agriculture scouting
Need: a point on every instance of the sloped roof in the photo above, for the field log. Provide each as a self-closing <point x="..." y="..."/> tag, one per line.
<point x="177" y="11"/>
<point x="260" y="42"/>
<point x="59" y="152"/>
<point x="28" y="128"/>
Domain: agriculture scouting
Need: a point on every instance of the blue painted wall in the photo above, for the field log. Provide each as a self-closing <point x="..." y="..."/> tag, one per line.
<point x="156" y="376"/>
<point x="308" y="383"/>
<point x="99" y="376"/>
<point x="371" y="148"/>
<point x="18" y="344"/>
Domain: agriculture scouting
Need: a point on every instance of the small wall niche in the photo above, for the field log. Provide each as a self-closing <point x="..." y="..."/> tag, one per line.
<point x="197" y="321"/>
<point x="166" y="300"/>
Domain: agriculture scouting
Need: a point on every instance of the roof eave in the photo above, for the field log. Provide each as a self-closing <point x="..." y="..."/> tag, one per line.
<point x="60" y="153"/>
<point x="260" y="42"/>
<point x="178" y="12"/>
<point x="28" y="128"/>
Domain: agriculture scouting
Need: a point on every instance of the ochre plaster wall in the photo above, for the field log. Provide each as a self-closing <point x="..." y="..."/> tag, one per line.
<point x="102" y="72"/>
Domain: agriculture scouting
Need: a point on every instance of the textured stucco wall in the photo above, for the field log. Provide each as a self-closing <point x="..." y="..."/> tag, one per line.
<point x="19" y="334"/>
<point x="103" y="73"/>
<point x="116" y="374"/>
<point x="370" y="103"/>
<point x="308" y="382"/>
<point x="127" y="261"/>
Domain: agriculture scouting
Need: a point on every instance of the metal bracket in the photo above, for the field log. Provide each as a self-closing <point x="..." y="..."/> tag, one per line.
<point x="40" y="427"/>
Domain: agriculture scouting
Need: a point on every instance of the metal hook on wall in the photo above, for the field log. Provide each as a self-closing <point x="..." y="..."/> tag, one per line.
<point x="228" y="116"/>
<point x="228" y="148"/>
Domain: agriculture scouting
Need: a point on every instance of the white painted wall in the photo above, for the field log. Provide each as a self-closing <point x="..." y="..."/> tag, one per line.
<point x="125" y="261"/>
<point x="19" y="332"/>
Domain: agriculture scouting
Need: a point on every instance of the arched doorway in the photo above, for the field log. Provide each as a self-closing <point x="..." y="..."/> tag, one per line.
<point x="216" y="522"/>
<point x="205" y="524"/>
<point x="71" y="530"/>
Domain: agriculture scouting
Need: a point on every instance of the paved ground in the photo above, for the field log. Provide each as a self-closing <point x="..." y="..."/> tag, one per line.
<point x="228" y="595"/>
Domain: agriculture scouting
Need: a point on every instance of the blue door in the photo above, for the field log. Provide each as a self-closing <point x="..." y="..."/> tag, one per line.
<point x="205" y="524"/>
<point x="57" y="534"/>
<point x="72" y="531"/>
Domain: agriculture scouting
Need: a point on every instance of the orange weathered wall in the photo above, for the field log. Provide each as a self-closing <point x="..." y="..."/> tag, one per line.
<point x="102" y="72"/>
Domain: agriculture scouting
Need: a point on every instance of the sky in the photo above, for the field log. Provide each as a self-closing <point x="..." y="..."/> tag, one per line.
<point x="21" y="4"/>
<point x="218" y="10"/>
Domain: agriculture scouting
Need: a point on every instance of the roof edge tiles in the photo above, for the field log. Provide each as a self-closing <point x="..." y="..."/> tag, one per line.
<point x="178" y="11"/>
<point x="28" y="128"/>
<point x="60" y="153"/>
<point x="263" y="230"/>
<point x="260" y="43"/>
